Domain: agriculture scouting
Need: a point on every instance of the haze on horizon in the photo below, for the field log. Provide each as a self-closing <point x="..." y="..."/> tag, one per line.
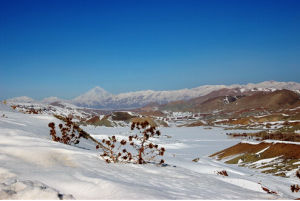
<point x="64" y="48"/>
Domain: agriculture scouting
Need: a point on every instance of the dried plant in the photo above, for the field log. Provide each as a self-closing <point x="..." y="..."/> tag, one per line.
<point x="268" y="190"/>
<point x="223" y="173"/>
<point x="295" y="188"/>
<point x="70" y="132"/>
<point x="196" y="160"/>
<point x="298" y="174"/>
<point x="137" y="148"/>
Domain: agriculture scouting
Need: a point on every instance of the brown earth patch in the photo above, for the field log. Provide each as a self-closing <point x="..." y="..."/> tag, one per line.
<point x="150" y="120"/>
<point x="121" y="116"/>
<point x="143" y="119"/>
<point x="93" y="120"/>
<point x="194" y="124"/>
<point x="281" y="135"/>
<point x="287" y="151"/>
<point x="97" y="122"/>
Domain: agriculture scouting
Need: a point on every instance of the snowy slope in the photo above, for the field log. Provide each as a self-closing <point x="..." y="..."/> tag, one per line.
<point x="34" y="167"/>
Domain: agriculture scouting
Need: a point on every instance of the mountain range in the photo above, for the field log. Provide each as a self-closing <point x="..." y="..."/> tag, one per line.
<point x="99" y="98"/>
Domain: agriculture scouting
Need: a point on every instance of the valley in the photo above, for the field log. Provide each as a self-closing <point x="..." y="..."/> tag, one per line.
<point x="238" y="143"/>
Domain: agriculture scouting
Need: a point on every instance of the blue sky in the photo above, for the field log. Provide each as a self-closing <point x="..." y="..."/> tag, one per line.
<point x="64" y="48"/>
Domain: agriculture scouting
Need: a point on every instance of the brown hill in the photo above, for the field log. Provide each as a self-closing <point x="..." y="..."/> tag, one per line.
<point x="289" y="151"/>
<point x="122" y="116"/>
<point x="97" y="122"/>
<point x="280" y="99"/>
<point x="237" y="101"/>
<point x="192" y="104"/>
<point x="93" y="120"/>
<point x="285" y="156"/>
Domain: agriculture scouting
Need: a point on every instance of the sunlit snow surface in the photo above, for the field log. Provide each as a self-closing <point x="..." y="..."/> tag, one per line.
<point x="34" y="167"/>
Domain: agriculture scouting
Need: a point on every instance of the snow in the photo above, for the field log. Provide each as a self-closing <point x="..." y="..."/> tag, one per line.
<point x="297" y="131"/>
<point x="270" y="141"/>
<point x="278" y="141"/>
<point x="267" y="160"/>
<point x="243" y="183"/>
<point x="34" y="167"/>
<point x="297" y="163"/>
<point x="263" y="150"/>
<point x="251" y="142"/>
<point x="17" y="190"/>
<point x="64" y="109"/>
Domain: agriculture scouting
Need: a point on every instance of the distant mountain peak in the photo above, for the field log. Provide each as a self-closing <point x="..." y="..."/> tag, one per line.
<point x="92" y="97"/>
<point x="98" y="91"/>
<point x="97" y="88"/>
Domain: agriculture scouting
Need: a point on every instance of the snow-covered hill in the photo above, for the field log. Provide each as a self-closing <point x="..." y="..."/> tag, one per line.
<point x="21" y="99"/>
<point x="32" y="166"/>
<point x="99" y="98"/>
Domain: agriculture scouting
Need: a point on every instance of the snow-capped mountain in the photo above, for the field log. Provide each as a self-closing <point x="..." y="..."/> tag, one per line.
<point x="273" y="85"/>
<point x="93" y="97"/>
<point x="99" y="98"/>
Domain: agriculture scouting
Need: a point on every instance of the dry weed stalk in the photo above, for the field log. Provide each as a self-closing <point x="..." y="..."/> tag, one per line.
<point x="136" y="148"/>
